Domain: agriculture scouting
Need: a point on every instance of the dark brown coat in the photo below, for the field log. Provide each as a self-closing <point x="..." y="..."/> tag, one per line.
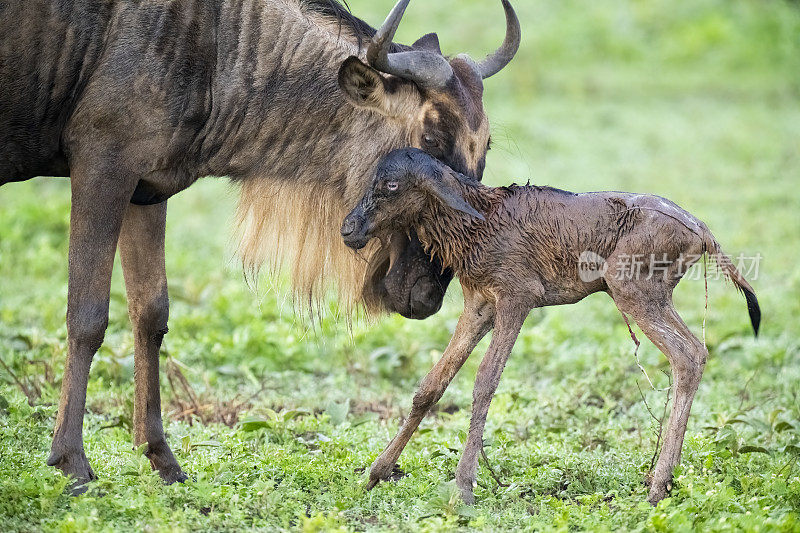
<point x="135" y="100"/>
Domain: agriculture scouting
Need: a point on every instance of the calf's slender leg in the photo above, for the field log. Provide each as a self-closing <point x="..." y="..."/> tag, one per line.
<point x="687" y="359"/>
<point x="510" y="317"/>
<point x="141" y="248"/>
<point x="99" y="201"/>
<point x="474" y="323"/>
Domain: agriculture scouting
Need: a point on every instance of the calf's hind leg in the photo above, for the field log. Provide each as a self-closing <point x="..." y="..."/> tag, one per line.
<point x="687" y="358"/>
<point x="141" y="248"/>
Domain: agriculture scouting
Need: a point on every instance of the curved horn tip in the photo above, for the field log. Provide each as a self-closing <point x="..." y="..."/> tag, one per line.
<point x="392" y="22"/>
<point x="503" y="56"/>
<point x="382" y="41"/>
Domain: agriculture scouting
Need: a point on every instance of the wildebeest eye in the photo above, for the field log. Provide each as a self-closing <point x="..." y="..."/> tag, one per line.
<point x="429" y="140"/>
<point x="392" y="186"/>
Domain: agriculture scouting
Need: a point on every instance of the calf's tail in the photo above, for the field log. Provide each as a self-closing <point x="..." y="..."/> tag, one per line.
<point x="711" y="246"/>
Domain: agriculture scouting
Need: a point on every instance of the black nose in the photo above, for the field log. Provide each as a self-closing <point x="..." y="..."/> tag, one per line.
<point x="425" y="300"/>
<point x="348" y="227"/>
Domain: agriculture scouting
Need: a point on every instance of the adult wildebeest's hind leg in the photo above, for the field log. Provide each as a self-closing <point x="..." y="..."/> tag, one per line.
<point x="474" y="323"/>
<point x="141" y="249"/>
<point x="510" y="317"/>
<point x="654" y="313"/>
<point x="99" y="200"/>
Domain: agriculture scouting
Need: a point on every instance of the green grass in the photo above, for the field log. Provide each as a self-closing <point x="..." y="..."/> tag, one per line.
<point x="694" y="100"/>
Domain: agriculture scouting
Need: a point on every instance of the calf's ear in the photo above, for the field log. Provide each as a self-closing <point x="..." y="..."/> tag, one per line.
<point x="451" y="197"/>
<point x="363" y="85"/>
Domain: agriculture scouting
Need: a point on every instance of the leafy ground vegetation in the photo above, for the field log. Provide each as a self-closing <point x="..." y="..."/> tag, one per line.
<point x="275" y="420"/>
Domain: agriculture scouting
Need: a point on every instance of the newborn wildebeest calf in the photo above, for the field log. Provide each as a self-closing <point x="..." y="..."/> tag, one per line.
<point x="517" y="248"/>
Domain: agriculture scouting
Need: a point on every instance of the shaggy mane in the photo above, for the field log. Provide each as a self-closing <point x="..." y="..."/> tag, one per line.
<point x="344" y="18"/>
<point x="293" y="228"/>
<point x="288" y="219"/>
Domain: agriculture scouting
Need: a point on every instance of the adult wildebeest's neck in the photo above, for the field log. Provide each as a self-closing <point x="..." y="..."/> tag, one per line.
<point x="277" y="110"/>
<point x="281" y="127"/>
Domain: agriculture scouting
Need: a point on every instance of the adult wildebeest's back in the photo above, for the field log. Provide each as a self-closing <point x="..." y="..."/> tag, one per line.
<point x="137" y="99"/>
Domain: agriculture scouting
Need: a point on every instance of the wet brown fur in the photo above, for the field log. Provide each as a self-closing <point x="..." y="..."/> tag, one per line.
<point x="522" y="250"/>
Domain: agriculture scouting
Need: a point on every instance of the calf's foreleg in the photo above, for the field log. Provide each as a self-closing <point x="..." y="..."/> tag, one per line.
<point x="141" y="248"/>
<point x="474" y="323"/>
<point x="508" y="323"/>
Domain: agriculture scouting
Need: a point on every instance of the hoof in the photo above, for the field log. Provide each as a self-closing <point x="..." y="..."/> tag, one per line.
<point x="465" y="487"/>
<point x="74" y="465"/>
<point x="163" y="461"/>
<point x="379" y="472"/>
<point x="382" y="472"/>
<point x="175" y="475"/>
<point x="659" y="491"/>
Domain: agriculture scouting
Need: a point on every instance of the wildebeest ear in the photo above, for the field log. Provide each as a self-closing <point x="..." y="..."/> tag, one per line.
<point x="428" y="43"/>
<point x="450" y="196"/>
<point x="363" y="85"/>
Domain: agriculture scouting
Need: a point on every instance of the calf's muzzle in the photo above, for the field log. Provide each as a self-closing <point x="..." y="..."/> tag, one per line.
<point x="354" y="230"/>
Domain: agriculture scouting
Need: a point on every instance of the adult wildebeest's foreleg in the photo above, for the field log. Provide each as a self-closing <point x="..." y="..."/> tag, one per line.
<point x="510" y="317"/>
<point x="475" y="322"/>
<point x="99" y="201"/>
<point x="141" y="249"/>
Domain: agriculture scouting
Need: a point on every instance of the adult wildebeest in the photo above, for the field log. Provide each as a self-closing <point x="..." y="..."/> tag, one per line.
<point x="137" y="99"/>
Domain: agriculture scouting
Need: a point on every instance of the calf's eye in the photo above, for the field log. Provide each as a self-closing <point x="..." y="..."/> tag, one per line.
<point x="392" y="186"/>
<point x="429" y="140"/>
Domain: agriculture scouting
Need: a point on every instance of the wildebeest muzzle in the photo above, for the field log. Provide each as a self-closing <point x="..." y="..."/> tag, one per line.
<point x="411" y="283"/>
<point x="355" y="231"/>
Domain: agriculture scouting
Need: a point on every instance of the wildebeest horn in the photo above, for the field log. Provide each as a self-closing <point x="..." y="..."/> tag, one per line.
<point x="429" y="70"/>
<point x="503" y="56"/>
